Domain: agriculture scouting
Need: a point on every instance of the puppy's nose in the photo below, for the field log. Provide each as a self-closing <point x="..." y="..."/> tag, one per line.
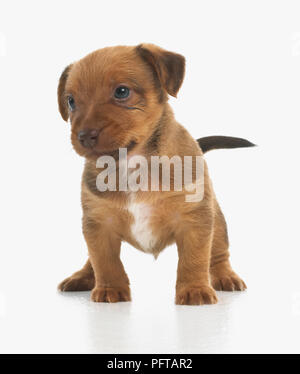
<point x="88" y="138"/>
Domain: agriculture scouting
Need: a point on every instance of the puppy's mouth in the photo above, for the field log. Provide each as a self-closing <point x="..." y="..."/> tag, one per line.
<point x="113" y="153"/>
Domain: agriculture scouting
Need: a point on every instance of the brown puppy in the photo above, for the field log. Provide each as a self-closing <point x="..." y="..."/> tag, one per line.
<point x="115" y="98"/>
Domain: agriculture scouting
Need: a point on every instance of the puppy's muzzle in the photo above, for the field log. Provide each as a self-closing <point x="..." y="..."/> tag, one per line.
<point x="88" y="138"/>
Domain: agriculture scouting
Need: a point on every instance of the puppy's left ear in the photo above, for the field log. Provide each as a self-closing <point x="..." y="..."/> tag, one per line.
<point x="169" y="67"/>
<point x="62" y="104"/>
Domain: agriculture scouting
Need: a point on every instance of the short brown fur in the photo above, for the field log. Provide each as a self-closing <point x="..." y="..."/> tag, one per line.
<point x="145" y="123"/>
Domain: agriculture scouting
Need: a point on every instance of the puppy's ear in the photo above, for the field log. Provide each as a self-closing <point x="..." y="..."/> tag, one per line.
<point x="62" y="104"/>
<point x="169" y="67"/>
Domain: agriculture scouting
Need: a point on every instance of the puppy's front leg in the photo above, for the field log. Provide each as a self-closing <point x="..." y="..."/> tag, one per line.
<point x="193" y="284"/>
<point x="111" y="281"/>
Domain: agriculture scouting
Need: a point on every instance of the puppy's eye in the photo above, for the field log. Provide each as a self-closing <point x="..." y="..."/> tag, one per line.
<point x="122" y="92"/>
<point x="71" y="103"/>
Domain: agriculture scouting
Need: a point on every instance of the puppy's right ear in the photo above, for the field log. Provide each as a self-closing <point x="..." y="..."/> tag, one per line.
<point x="62" y="102"/>
<point x="168" y="66"/>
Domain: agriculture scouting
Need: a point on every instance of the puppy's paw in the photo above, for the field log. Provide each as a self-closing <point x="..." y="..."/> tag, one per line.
<point x="77" y="282"/>
<point x="110" y="294"/>
<point x="189" y="295"/>
<point x="228" y="282"/>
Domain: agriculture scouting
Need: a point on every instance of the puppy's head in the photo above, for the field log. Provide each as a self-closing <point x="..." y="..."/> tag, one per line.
<point x="115" y="96"/>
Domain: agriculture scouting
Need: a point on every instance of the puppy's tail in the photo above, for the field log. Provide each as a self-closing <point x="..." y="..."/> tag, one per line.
<point x="221" y="142"/>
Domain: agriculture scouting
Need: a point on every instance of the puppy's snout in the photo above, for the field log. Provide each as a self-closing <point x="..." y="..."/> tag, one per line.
<point x="88" y="138"/>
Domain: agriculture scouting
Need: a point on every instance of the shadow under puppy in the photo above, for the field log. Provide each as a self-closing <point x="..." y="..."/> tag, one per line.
<point x="117" y="97"/>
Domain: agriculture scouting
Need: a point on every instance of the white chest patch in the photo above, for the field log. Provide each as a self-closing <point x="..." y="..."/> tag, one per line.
<point x="140" y="228"/>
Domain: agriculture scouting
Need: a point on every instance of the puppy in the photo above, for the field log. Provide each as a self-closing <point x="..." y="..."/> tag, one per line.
<point x="117" y="97"/>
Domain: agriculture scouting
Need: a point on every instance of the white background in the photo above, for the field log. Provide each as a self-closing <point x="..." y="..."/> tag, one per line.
<point x="242" y="79"/>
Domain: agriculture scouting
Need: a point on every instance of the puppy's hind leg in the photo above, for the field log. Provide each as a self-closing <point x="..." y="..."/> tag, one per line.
<point x="82" y="280"/>
<point x="223" y="278"/>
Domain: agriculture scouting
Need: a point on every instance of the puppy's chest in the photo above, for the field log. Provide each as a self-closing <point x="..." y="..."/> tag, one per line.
<point x="142" y="225"/>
